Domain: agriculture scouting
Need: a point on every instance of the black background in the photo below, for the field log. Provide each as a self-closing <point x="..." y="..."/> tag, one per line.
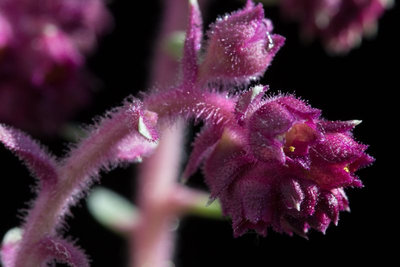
<point x="361" y="85"/>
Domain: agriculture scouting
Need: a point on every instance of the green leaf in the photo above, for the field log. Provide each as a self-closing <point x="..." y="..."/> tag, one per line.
<point x="112" y="210"/>
<point x="174" y="44"/>
<point x="203" y="208"/>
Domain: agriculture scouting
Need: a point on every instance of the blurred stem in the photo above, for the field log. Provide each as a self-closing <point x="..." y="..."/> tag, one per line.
<point x="152" y="242"/>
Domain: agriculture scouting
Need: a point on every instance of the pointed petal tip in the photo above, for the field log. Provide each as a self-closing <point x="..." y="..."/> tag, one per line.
<point x="257" y="90"/>
<point x="143" y="130"/>
<point x="193" y="3"/>
<point x="183" y="179"/>
<point x="147" y="125"/>
<point x="249" y="4"/>
<point x="297" y="205"/>
<point x="211" y="200"/>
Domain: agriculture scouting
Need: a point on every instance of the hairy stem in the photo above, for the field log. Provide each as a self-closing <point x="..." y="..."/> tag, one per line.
<point x="201" y="105"/>
<point x="152" y="242"/>
<point x="74" y="175"/>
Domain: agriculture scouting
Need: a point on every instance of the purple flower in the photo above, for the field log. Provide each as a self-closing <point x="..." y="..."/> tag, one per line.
<point x="240" y="46"/>
<point x="42" y="57"/>
<point x="340" y="24"/>
<point x="280" y="165"/>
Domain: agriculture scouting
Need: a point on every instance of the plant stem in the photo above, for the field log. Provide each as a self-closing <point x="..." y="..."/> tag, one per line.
<point x="152" y="242"/>
<point x="153" y="239"/>
<point x="74" y="174"/>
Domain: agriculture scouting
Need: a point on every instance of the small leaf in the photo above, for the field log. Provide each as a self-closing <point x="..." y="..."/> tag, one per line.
<point x="112" y="210"/>
<point x="201" y="209"/>
<point x="174" y="44"/>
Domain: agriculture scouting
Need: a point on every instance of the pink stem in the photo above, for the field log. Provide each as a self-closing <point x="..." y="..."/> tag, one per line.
<point x="75" y="173"/>
<point x="152" y="242"/>
<point x="160" y="197"/>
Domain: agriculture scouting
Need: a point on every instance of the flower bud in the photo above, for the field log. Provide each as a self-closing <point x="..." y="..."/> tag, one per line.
<point x="42" y="56"/>
<point x="5" y="33"/>
<point x="240" y="47"/>
<point x="57" y="57"/>
<point x="340" y="24"/>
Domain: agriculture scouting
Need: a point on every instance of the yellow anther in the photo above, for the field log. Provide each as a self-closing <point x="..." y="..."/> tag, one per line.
<point x="292" y="148"/>
<point x="346" y="169"/>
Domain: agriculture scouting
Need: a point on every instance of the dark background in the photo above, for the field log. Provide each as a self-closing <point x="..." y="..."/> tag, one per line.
<point x="361" y="85"/>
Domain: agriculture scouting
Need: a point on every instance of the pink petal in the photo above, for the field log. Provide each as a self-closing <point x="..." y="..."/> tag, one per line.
<point x="337" y="126"/>
<point x="338" y="148"/>
<point x="270" y="120"/>
<point x="298" y="107"/>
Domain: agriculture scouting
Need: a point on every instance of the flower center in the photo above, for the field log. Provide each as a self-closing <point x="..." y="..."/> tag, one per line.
<point x="298" y="138"/>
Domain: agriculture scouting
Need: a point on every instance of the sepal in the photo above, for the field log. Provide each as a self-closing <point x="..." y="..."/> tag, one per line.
<point x="192" y="43"/>
<point x="202" y="146"/>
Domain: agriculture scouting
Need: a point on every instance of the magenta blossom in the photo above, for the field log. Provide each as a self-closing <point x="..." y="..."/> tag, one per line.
<point x="42" y="55"/>
<point x="340" y="24"/>
<point x="280" y="165"/>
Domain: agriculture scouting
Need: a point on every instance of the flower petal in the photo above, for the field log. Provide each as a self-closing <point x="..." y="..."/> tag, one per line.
<point x="337" y="126"/>
<point x="298" y="107"/>
<point x="338" y="148"/>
